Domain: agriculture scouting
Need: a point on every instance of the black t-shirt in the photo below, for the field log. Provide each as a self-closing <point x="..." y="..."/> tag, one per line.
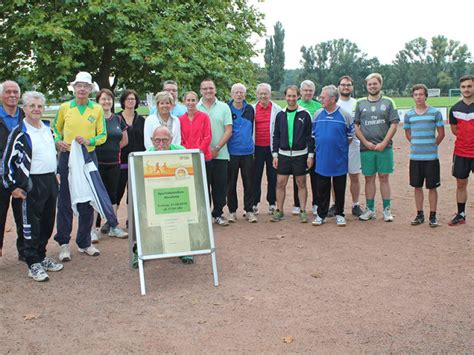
<point x="135" y="137"/>
<point x="109" y="152"/>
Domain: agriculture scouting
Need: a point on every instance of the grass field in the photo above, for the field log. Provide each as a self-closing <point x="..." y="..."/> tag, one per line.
<point x="406" y="102"/>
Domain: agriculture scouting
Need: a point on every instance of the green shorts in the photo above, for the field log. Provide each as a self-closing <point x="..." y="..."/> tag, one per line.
<point x="374" y="162"/>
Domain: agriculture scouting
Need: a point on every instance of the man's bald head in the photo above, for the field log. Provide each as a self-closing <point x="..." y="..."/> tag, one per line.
<point x="161" y="138"/>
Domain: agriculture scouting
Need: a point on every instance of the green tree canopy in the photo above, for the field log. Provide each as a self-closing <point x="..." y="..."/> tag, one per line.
<point x="140" y="43"/>
<point x="326" y="62"/>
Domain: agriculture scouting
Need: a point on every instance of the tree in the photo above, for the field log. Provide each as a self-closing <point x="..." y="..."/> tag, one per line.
<point x="326" y="62"/>
<point x="275" y="57"/>
<point x="139" y="43"/>
<point x="437" y="66"/>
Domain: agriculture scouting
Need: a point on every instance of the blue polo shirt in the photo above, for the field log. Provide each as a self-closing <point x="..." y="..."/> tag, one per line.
<point x="10" y="121"/>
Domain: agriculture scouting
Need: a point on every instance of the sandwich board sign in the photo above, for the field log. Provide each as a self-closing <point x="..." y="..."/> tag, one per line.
<point x="169" y="213"/>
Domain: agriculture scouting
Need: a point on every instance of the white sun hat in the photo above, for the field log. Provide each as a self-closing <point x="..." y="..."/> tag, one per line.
<point x="85" y="77"/>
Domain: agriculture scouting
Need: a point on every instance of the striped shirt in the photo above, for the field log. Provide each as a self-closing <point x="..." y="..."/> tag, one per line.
<point x="423" y="133"/>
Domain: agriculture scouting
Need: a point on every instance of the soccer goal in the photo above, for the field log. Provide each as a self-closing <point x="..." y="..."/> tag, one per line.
<point x="454" y="92"/>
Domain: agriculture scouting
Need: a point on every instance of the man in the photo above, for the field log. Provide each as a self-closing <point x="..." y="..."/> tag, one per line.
<point x="33" y="180"/>
<point x="221" y="127"/>
<point x="307" y="101"/>
<point x="421" y="124"/>
<point x="241" y="148"/>
<point x="265" y="114"/>
<point x="161" y="140"/>
<point x="178" y="109"/>
<point x="461" y="119"/>
<point x="333" y="129"/>
<point x="348" y="104"/>
<point x="10" y="116"/>
<point x="293" y="151"/>
<point x="376" y="120"/>
<point x="81" y="120"/>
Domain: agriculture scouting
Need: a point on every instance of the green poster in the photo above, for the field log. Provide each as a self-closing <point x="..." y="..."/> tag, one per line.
<point x="171" y="200"/>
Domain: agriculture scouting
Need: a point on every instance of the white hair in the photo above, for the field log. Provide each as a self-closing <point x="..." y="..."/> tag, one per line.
<point x="29" y="95"/>
<point x="238" y="86"/>
<point x="8" y="82"/>
<point x="307" y="83"/>
<point x="264" y="86"/>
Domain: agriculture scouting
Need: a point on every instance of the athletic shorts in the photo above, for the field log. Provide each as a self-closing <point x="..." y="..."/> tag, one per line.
<point x="462" y="167"/>
<point x="421" y="170"/>
<point x="374" y="162"/>
<point x="354" y="158"/>
<point x="295" y="166"/>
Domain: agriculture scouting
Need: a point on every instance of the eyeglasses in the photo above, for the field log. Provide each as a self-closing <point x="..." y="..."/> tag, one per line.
<point x="131" y="99"/>
<point x="160" y="140"/>
<point x="83" y="86"/>
<point x="345" y="85"/>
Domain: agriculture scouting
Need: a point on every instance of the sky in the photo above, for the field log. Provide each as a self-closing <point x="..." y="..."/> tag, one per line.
<point x="379" y="28"/>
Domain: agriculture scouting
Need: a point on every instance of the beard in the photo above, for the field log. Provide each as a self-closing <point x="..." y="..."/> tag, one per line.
<point x="345" y="94"/>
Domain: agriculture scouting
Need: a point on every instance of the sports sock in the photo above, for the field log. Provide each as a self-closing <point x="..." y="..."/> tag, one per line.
<point x="432" y="214"/>
<point x="420" y="212"/>
<point x="461" y="208"/>
<point x="371" y="204"/>
<point x="386" y="203"/>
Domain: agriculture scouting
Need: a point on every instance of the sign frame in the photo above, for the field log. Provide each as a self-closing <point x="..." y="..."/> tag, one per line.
<point x="134" y="216"/>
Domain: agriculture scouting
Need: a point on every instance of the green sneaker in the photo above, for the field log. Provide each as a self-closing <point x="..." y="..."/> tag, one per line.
<point x="277" y="216"/>
<point x="303" y="217"/>
<point x="135" y="260"/>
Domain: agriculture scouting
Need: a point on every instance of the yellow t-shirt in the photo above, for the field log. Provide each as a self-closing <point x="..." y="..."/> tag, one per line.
<point x="74" y="120"/>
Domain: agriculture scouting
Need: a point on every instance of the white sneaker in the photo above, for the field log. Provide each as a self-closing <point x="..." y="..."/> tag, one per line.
<point x="221" y="221"/>
<point x="117" y="232"/>
<point x="367" y="215"/>
<point x="318" y="221"/>
<point x="251" y="218"/>
<point x="315" y="210"/>
<point x="295" y="211"/>
<point x="64" y="253"/>
<point x="340" y="221"/>
<point x="387" y="214"/>
<point x="271" y="209"/>
<point x="94" y="237"/>
<point x="49" y="264"/>
<point x="232" y="217"/>
<point x="255" y="209"/>
<point x="92" y="251"/>
<point x="37" y="273"/>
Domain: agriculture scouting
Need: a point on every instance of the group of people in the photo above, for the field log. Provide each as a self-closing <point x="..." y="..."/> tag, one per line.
<point x="328" y="139"/>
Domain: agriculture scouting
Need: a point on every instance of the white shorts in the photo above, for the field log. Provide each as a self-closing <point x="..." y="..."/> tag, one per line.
<point x="354" y="157"/>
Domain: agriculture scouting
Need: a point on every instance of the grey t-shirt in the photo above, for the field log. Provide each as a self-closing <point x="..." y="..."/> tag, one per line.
<point x="375" y="118"/>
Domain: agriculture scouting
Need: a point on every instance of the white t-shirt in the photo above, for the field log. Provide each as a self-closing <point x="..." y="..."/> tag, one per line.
<point x="43" y="158"/>
<point x="349" y="106"/>
<point x="153" y="121"/>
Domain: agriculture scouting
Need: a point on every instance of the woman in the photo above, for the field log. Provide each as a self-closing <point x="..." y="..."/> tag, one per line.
<point x="195" y="127"/>
<point x="108" y="154"/>
<point x="163" y="117"/>
<point x="29" y="172"/>
<point x="129" y="102"/>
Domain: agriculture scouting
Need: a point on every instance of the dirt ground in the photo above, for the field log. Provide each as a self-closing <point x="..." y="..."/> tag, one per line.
<point x="370" y="287"/>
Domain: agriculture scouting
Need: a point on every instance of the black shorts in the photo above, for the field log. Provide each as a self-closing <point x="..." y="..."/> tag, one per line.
<point x="295" y="166"/>
<point x="462" y="167"/>
<point x="421" y="170"/>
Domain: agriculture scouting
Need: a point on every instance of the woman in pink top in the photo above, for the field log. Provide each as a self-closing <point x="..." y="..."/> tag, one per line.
<point x="195" y="127"/>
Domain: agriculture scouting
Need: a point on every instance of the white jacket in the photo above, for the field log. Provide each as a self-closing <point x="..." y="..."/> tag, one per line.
<point x="152" y="121"/>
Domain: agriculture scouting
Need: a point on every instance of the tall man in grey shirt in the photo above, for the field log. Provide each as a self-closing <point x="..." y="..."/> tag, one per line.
<point x="376" y="120"/>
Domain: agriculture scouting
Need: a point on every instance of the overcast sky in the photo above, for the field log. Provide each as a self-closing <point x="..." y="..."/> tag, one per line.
<point x="379" y="28"/>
